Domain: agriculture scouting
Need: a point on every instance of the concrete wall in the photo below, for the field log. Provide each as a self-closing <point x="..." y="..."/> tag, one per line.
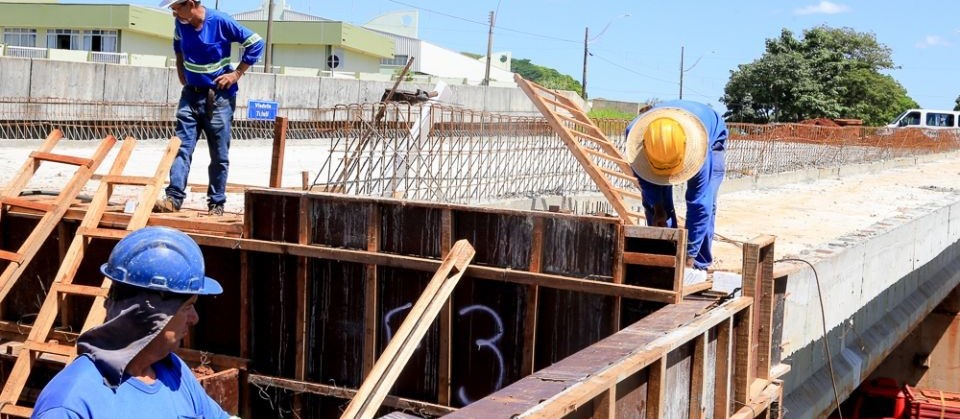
<point x="877" y="284"/>
<point x="138" y="43"/>
<point x="28" y="80"/>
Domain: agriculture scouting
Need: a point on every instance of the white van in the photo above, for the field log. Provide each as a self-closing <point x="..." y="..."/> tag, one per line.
<point x="926" y="118"/>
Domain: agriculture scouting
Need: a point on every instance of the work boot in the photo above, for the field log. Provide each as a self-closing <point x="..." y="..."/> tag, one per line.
<point x="693" y="276"/>
<point x="215" y="209"/>
<point x="166" y="204"/>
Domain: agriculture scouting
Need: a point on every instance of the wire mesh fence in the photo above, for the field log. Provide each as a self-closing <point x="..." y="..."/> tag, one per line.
<point x="441" y="153"/>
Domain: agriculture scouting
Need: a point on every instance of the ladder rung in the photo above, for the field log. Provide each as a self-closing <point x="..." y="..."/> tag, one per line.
<point x="103" y="233"/>
<point x="561" y="104"/>
<point x="11" y="256"/>
<point x="617" y="174"/>
<point x="573" y="120"/>
<point x="87" y="290"/>
<point x="649" y="259"/>
<point x="604" y="156"/>
<point x="128" y="180"/>
<point x="593" y="138"/>
<point x="17" y="411"/>
<point x="28" y="203"/>
<point x="50" y="348"/>
<point x="60" y="158"/>
<point x="631" y="194"/>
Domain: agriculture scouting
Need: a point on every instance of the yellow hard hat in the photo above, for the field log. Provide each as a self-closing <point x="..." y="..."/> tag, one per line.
<point x="665" y="145"/>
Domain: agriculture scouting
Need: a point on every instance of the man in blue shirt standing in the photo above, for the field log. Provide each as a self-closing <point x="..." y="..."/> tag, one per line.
<point x="126" y="367"/>
<point x="672" y="143"/>
<point x="201" y="41"/>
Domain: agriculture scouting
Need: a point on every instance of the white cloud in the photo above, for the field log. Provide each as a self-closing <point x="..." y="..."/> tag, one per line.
<point x="931" y="41"/>
<point x="824" y="8"/>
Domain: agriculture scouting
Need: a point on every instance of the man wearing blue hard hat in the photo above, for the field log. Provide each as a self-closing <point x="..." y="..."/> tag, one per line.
<point x="126" y="367"/>
<point x="202" y="40"/>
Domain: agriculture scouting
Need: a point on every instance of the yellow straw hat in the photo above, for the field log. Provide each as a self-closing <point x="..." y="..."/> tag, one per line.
<point x="667" y="146"/>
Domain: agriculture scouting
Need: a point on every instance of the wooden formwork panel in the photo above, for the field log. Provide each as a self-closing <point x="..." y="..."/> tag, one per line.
<point x="495" y="330"/>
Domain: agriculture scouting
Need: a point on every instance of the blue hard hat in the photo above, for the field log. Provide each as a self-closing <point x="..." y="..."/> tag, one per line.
<point x="162" y="259"/>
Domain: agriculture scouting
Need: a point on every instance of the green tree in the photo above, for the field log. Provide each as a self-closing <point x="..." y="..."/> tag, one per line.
<point x="829" y="72"/>
<point x="956" y="105"/>
<point x="544" y="76"/>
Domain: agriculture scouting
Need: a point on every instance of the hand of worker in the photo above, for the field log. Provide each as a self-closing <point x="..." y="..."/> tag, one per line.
<point x="224" y="81"/>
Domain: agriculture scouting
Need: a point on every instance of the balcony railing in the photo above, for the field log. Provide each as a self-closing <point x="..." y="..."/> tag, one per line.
<point x="109" y="57"/>
<point x="25" y="52"/>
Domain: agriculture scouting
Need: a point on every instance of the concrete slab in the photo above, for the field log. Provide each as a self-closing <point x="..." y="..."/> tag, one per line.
<point x="82" y="82"/>
<point x="338" y="91"/>
<point x="297" y="91"/>
<point x="133" y="84"/>
<point x="15" y="73"/>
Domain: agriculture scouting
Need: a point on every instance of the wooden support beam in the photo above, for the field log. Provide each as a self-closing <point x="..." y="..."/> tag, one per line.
<point x="423" y="264"/>
<point x="370" y="293"/>
<point x="423" y="408"/>
<point x="697" y="382"/>
<point x="758" y="256"/>
<point x="279" y="145"/>
<point x="388" y="367"/>
<point x="446" y="316"/>
<point x="605" y="405"/>
<point x="722" y="370"/>
<point x="61" y="158"/>
<point x="656" y="387"/>
<point x="744" y="359"/>
<point x="533" y="298"/>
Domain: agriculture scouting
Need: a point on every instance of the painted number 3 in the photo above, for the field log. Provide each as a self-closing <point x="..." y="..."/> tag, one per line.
<point x="482" y="344"/>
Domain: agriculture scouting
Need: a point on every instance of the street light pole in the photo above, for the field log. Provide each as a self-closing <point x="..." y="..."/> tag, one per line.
<point x="486" y="74"/>
<point x="586" y="52"/>
<point x="267" y="68"/>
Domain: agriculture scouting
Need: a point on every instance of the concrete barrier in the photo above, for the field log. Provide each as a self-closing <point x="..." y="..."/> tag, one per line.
<point x="31" y="80"/>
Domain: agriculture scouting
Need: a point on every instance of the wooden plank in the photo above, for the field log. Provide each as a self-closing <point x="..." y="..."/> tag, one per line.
<point x="649" y="259"/>
<point x="42" y="206"/>
<point x="446" y="316"/>
<point x="533" y="298"/>
<point x="128" y="180"/>
<point x="656" y="384"/>
<point x="618" y="175"/>
<point x="764" y="301"/>
<point x="605" y="156"/>
<point x="744" y="360"/>
<point x="347" y="393"/>
<point x="721" y="385"/>
<point x="619" y="271"/>
<point x="697" y="377"/>
<point x="605" y="405"/>
<point x="29" y="167"/>
<point x="681" y="263"/>
<point x="300" y="325"/>
<point x="653" y="233"/>
<point x="423" y="264"/>
<point x="11" y="256"/>
<point x="75" y="289"/>
<point x="629" y="194"/>
<point x="62" y="158"/>
<point x="279" y="145"/>
<point x="370" y="290"/>
<point x="388" y="367"/>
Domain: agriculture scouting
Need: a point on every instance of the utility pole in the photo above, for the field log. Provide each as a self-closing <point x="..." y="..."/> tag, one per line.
<point x="681" y="71"/>
<point x="583" y="81"/>
<point x="486" y="74"/>
<point x="267" y="68"/>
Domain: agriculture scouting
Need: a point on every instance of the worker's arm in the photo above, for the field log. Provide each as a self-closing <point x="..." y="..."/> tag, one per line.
<point x="253" y="47"/>
<point x="180" y="74"/>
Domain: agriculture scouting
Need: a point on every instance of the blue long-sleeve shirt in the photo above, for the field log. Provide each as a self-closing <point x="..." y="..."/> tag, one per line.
<point x="206" y="52"/>
<point x="79" y="392"/>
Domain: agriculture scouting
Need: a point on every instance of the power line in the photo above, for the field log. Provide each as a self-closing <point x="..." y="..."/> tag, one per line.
<point x="537" y="35"/>
<point x="628" y="69"/>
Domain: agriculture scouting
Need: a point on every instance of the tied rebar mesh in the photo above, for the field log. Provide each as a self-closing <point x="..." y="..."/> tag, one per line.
<point x="441" y="153"/>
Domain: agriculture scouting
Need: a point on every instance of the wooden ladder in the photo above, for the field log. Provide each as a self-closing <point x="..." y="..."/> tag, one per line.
<point x="599" y="156"/>
<point x="53" y="211"/>
<point x="63" y="286"/>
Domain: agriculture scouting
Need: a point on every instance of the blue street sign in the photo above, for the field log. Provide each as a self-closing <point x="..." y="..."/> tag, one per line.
<point x="263" y="110"/>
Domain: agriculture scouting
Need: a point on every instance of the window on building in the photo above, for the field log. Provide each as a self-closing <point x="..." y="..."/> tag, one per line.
<point x="396" y="60"/>
<point x="63" y="39"/>
<point x="20" y="37"/>
<point x="100" y="41"/>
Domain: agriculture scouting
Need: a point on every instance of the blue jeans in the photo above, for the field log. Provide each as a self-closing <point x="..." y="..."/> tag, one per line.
<point x="701" y="196"/>
<point x="192" y="117"/>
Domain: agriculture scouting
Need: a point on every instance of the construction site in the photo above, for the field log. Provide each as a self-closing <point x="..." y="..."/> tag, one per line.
<point x="420" y="260"/>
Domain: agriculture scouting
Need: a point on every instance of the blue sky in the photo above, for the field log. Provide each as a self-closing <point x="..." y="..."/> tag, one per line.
<point x="638" y="56"/>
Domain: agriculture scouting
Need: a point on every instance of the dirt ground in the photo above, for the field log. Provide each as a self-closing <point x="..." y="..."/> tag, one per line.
<point x="803" y="216"/>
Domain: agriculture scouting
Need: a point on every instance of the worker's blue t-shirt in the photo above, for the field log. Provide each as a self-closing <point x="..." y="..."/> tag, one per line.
<point x="79" y="391"/>
<point x="206" y="52"/>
